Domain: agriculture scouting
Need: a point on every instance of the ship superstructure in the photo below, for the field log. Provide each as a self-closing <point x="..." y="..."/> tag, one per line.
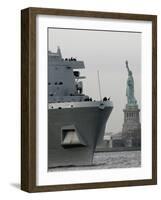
<point x="76" y="123"/>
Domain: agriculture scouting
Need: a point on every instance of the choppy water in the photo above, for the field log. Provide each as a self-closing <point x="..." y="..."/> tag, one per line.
<point x="124" y="159"/>
<point x="108" y="160"/>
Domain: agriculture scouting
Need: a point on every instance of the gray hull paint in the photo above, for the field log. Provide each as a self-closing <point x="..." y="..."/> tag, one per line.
<point x="90" y="124"/>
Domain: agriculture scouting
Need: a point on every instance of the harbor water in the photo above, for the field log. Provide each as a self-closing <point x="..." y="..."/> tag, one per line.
<point x="109" y="160"/>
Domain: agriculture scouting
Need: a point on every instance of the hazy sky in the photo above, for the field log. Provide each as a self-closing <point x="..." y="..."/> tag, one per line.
<point x="105" y="51"/>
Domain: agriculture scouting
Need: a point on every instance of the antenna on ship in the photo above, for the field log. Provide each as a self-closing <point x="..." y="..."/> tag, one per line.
<point x="99" y="84"/>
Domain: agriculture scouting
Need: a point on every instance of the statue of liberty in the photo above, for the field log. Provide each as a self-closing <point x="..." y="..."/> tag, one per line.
<point x="130" y="87"/>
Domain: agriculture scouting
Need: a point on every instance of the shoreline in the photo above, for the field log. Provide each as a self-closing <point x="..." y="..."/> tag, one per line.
<point x="117" y="149"/>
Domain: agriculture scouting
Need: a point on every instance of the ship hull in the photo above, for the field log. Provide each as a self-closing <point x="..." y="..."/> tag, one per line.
<point x="89" y="125"/>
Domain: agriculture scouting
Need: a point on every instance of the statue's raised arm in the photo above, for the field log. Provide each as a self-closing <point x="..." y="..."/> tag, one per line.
<point x="127" y="66"/>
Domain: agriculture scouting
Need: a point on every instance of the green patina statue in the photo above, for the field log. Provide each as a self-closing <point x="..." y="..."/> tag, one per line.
<point x="130" y="87"/>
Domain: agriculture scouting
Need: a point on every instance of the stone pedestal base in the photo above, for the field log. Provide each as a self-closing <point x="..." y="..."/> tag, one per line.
<point x="131" y="131"/>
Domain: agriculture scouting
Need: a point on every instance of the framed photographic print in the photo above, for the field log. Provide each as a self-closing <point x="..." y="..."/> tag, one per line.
<point x="89" y="99"/>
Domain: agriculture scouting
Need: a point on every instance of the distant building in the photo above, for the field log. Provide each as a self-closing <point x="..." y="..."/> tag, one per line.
<point x="116" y="140"/>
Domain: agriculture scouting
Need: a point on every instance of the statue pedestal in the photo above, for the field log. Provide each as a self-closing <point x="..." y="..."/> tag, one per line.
<point x="131" y="131"/>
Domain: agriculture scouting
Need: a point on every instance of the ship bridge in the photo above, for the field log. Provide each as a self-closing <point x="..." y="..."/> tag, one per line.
<point x="64" y="78"/>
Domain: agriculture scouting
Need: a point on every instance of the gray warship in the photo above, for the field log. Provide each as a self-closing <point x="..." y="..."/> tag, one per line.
<point x="76" y="123"/>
